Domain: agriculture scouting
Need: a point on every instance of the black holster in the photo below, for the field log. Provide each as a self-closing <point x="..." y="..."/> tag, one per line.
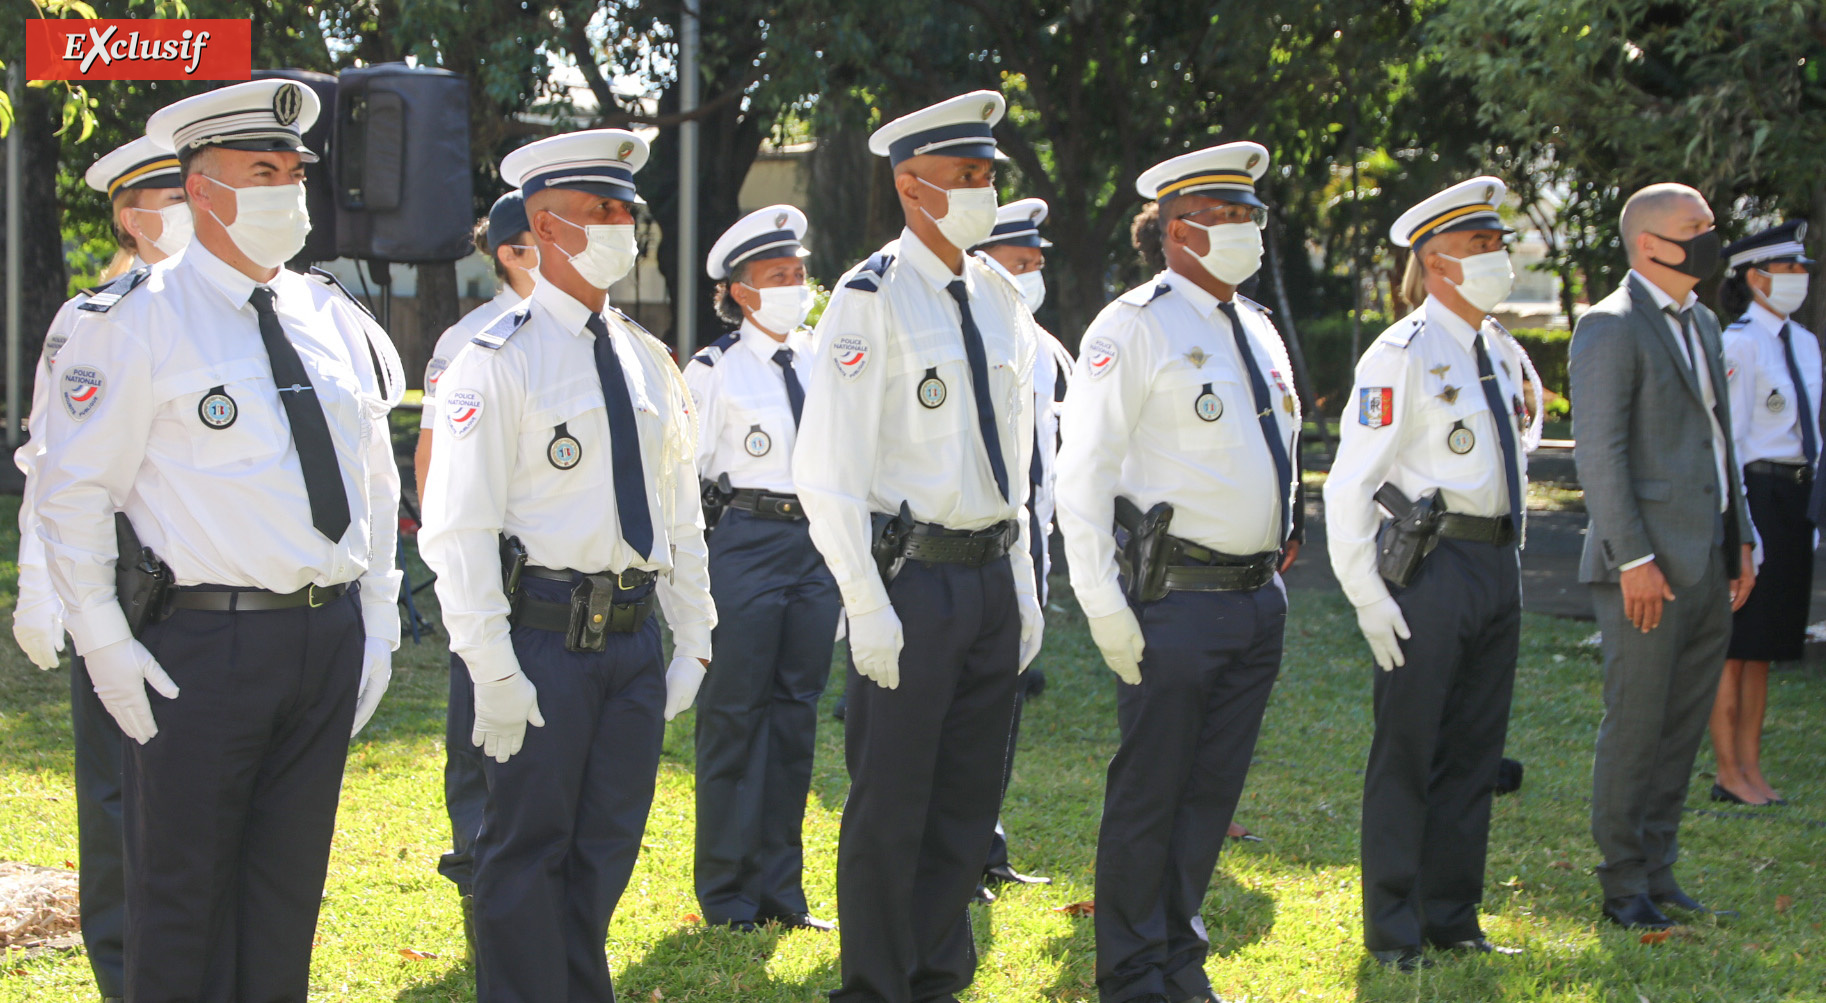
<point x="1406" y="540"/>
<point x="141" y="580"/>
<point x="888" y="541"/>
<point x="715" y="496"/>
<point x="1141" y="545"/>
<point x="595" y="614"/>
<point x="513" y="561"/>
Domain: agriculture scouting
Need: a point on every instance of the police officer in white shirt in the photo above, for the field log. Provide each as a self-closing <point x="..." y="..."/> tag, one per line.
<point x="777" y="605"/>
<point x="561" y="501"/>
<point x="151" y="223"/>
<point x="918" y="430"/>
<point x="1180" y="417"/>
<point x="1437" y="415"/>
<point x="1016" y="251"/>
<point x="1772" y="374"/>
<point x="236" y="413"/>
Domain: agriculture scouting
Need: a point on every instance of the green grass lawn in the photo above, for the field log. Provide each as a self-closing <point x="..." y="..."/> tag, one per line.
<point x="1283" y="914"/>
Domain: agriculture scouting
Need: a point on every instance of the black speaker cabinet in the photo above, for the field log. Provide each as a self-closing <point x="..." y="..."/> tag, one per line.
<point x="319" y="192"/>
<point x="401" y="164"/>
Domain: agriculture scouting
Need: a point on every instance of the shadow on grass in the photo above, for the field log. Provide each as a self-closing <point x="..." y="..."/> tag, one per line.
<point x="699" y="961"/>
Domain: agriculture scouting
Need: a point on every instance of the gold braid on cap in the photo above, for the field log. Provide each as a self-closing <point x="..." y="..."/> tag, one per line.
<point x="1423" y="230"/>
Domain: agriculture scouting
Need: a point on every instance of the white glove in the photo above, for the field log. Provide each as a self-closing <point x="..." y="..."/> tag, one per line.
<point x="1118" y="636"/>
<point x="376" y="673"/>
<point x="121" y="671"/>
<point x="875" y="642"/>
<point x="38" y="627"/>
<point x="1033" y="628"/>
<point x="503" y="710"/>
<point x="683" y="677"/>
<point x="1384" y="628"/>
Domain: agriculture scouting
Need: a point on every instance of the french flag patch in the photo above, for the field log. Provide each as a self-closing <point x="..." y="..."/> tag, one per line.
<point x="1376" y="406"/>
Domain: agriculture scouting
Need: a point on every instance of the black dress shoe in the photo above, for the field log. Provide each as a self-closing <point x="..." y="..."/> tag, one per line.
<point x="1635" y="912"/>
<point x="801" y="921"/>
<point x="1477" y="946"/>
<point x="738" y="925"/>
<point x="1002" y="874"/>
<point x="983" y="895"/>
<point x="1720" y="794"/>
<point x="1405" y="959"/>
<point x="1678" y="899"/>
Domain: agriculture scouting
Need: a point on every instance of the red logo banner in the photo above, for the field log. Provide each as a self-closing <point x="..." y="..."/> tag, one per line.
<point x="139" y="49"/>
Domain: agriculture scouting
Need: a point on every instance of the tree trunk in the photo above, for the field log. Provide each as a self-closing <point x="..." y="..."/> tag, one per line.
<point x="437" y="310"/>
<point x="1302" y="378"/>
<point x="43" y="278"/>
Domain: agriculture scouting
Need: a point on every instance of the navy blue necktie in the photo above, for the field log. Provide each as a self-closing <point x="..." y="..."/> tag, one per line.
<point x="1803" y="416"/>
<point x="1505" y="429"/>
<point x="1264" y="411"/>
<point x="624" y="444"/>
<point x="323" y="485"/>
<point x="795" y="394"/>
<point x="979" y="382"/>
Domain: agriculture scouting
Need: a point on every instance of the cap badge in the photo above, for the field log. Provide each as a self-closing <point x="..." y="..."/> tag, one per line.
<point x="780" y="221"/>
<point x="626" y="148"/>
<point x="1035" y="215"/>
<point x="1254" y="159"/>
<point x="1800" y="230"/>
<point x="988" y="109"/>
<point x="288" y="102"/>
<point x="1489" y="192"/>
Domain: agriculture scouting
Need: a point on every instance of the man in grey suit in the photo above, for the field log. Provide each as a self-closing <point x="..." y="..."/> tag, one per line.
<point x="1667" y="552"/>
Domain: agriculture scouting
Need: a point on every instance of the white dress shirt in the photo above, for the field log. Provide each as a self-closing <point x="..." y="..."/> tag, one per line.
<point x="870" y="440"/>
<point x="1052" y="368"/>
<point x="1416" y="396"/>
<point x="1138" y="423"/>
<point x="1766" y="410"/>
<point x="745" y="419"/>
<point x="454" y="338"/>
<point x="493" y="474"/>
<point x="220" y="505"/>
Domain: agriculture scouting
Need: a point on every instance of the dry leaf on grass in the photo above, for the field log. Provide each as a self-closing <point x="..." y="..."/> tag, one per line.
<point x="1783" y="903"/>
<point x="414" y="954"/>
<point x="1078" y="909"/>
<point x="1656" y="936"/>
<point x="37" y="904"/>
<point x="1561" y="865"/>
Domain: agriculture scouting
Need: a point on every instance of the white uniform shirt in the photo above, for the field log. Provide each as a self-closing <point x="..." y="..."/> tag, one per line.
<point x="1416" y="398"/>
<point x="454" y="338"/>
<point x="1161" y="410"/>
<point x="494" y="472"/>
<point x="1052" y="367"/>
<point x="221" y="505"/>
<point x="745" y="420"/>
<point x="888" y="346"/>
<point x="1766" y="411"/>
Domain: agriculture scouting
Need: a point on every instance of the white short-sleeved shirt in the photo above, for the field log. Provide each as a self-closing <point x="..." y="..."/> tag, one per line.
<point x="1766" y="407"/>
<point x="745" y="419"/>
<point x="452" y="341"/>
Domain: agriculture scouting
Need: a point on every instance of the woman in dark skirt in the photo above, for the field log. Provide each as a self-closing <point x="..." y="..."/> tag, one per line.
<point x="1772" y="366"/>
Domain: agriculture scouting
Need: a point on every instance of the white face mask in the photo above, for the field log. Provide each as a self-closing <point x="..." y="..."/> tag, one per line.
<point x="608" y="252"/>
<point x="1033" y="288"/>
<point x="1488" y="278"/>
<point x="175" y="228"/>
<point x="969" y="214"/>
<point x="270" y="222"/>
<point x="1235" y="252"/>
<point x="783" y="308"/>
<point x="1787" y="290"/>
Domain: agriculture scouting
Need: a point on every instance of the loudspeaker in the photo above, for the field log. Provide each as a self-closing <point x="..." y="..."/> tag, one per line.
<point x="401" y="164"/>
<point x="319" y="192"/>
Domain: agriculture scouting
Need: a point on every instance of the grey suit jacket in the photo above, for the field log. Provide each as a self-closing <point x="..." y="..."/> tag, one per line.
<point x="1644" y="445"/>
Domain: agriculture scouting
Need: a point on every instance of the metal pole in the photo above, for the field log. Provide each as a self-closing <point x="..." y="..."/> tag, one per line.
<point x="684" y="309"/>
<point x="15" y="256"/>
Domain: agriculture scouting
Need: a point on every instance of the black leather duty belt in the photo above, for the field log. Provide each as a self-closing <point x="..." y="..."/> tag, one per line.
<point x="218" y="600"/>
<point x="768" y="505"/>
<point x="628" y="604"/>
<point x="1192" y="568"/>
<point x="974" y="547"/>
<point x="1477" y="529"/>
<point x="1799" y="473"/>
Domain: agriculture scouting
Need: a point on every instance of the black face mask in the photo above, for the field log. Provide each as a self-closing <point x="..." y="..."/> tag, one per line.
<point x="1702" y="254"/>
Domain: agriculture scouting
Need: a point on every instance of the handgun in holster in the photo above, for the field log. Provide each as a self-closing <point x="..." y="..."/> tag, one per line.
<point x="1141" y="546"/>
<point x="715" y="495"/>
<point x="1406" y="539"/>
<point x="513" y="561"/>
<point x="141" y="580"/>
<point x="888" y="541"/>
<point x="595" y="614"/>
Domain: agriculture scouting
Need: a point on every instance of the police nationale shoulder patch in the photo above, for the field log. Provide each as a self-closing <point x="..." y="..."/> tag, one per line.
<point x="851" y="354"/>
<point x="82" y="390"/>
<point x="462" y="411"/>
<point x="1376" y="407"/>
<point x="1100" y="357"/>
<point x="434" y="369"/>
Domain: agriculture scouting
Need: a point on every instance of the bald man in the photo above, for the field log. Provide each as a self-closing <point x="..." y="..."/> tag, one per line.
<point x="1667" y="553"/>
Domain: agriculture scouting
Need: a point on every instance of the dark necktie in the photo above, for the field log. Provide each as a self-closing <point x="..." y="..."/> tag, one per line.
<point x="979" y="383"/>
<point x="304" y="413"/>
<point x="1685" y="319"/>
<point x="1803" y="415"/>
<point x="795" y="394"/>
<point x="624" y="444"/>
<point x="1505" y="429"/>
<point x="1264" y="412"/>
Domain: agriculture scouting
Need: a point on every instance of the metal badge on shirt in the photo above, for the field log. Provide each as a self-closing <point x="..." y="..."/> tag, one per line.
<point x="757" y="442"/>
<point x="1460" y="439"/>
<point x="564" y="451"/>
<point x="931" y="390"/>
<point x="218" y="410"/>
<point x="1208" y="405"/>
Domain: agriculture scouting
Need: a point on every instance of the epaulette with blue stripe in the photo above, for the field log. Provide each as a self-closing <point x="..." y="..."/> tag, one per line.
<point x="1246" y="300"/>
<point x="330" y="280"/>
<point x="103" y="299"/>
<point x="1404" y="332"/>
<point x="709" y="354"/>
<point x="868" y="277"/>
<point x="502" y="329"/>
<point x="617" y="311"/>
<point x="1142" y="295"/>
<point x="1739" y="322"/>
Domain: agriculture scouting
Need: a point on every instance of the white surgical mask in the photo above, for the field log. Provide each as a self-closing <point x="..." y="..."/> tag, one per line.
<point x="783" y="308"/>
<point x="1488" y="277"/>
<point x="608" y="252"/>
<point x="1235" y="252"/>
<point x="270" y="222"/>
<point x="175" y="227"/>
<point x="1786" y="291"/>
<point x="969" y="214"/>
<point x="1033" y="288"/>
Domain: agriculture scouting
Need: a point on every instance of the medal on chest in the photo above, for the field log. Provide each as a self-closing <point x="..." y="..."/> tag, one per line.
<point x="1460" y="439"/>
<point x="931" y="390"/>
<point x="757" y="442"/>
<point x="1208" y="405"/>
<point x="1776" y="402"/>
<point x="1280" y="384"/>
<point x="565" y="451"/>
<point x="217" y="410"/>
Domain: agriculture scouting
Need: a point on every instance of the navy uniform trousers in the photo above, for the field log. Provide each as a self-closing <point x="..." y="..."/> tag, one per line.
<point x="1441" y="719"/>
<point x="757" y="715"/>
<point x="1188" y="733"/>
<point x="465" y="779"/>
<point x="102" y="874"/>
<point x="230" y="809"/>
<point x="925" y="764"/>
<point x="565" y="815"/>
<point x="998" y="842"/>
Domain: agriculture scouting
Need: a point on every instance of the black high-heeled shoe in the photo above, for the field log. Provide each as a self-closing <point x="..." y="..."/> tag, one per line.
<point x="1720" y="794"/>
